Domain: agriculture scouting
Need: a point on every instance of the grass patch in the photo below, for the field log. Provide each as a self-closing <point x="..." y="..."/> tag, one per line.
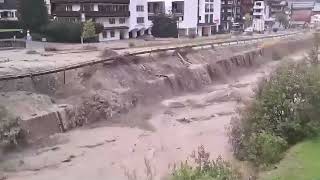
<point x="302" y="162"/>
<point x="10" y="30"/>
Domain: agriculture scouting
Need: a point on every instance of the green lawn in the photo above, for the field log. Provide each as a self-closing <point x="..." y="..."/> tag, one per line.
<point x="302" y="162"/>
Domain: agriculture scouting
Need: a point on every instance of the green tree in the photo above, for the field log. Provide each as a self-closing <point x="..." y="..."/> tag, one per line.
<point x="247" y="20"/>
<point x="164" y="26"/>
<point x="89" y="30"/>
<point x="282" y="18"/>
<point x="32" y="14"/>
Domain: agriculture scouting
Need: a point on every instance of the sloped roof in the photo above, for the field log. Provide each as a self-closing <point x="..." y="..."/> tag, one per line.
<point x="8" y="4"/>
<point x="301" y="15"/>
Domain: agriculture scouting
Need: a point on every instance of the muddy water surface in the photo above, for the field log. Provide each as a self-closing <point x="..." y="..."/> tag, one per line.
<point x="162" y="135"/>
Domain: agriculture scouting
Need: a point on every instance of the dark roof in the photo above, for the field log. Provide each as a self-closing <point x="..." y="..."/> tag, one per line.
<point x="91" y="1"/>
<point x="8" y="4"/>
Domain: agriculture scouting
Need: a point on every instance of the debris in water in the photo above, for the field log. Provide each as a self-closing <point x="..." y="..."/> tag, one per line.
<point x="184" y="120"/>
<point x="69" y="159"/>
<point x="176" y="105"/>
<point x="168" y="112"/>
<point x="92" y="146"/>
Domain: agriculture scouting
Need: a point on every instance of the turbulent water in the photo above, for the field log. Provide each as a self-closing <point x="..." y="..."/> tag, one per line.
<point x="158" y="107"/>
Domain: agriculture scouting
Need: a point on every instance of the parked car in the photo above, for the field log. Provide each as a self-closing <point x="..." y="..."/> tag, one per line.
<point x="249" y="31"/>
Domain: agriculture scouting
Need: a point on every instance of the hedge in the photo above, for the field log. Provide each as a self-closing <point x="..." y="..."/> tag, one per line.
<point x="63" y="31"/>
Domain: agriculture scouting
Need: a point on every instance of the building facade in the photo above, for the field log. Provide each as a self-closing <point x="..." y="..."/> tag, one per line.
<point x="194" y="17"/>
<point x="231" y="14"/>
<point x="260" y="16"/>
<point x="8" y="10"/>
<point x="112" y="14"/>
<point x="139" y="24"/>
<point x="124" y="19"/>
<point x="209" y="17"/>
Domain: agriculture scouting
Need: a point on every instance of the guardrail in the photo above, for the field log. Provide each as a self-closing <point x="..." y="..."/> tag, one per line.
<point x="140" y="51"/>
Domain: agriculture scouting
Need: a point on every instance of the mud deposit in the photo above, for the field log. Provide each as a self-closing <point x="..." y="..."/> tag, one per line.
<point x="159" y="108"/>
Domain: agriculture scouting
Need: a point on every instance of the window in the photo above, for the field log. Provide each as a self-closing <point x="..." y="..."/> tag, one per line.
<point x="206" y="18"/>
<point x="207" y="8"/>
<point x="238" y="10"/>
<point x="101" y="8"/>
<point x="211" y="18"/>
<point x="122" y="20"/>
<point x="87" y="7"/>
<point x="140" y="8"/>
<point x="68" y="7"/>
<point x="112" y="34"/>
<point x="112" y="8"/>
<point x="211" y="7"/>
<point x="112" y="21"/>
<point x="140" y="20"/>
<point x="104" y="34"/>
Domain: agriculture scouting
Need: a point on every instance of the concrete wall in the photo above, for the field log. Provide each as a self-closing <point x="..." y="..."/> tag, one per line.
<point x="190" y="14"/>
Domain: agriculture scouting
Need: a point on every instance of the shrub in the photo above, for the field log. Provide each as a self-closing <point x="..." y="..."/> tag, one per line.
<point x="63" y="31"/>
<point x="205" y="168"/>
<point x="99" y="28"/>
<point x="33" y="14"/>
<point x="11" y="134"/>
<point x="284" y="112"/>
<point x="88" y="30"/>
<point x="265" y="148"/>
<point x="10" y="25"/>
<point x="10" y="35"/>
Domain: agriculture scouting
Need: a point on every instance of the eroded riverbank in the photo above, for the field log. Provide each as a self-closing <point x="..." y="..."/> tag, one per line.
<point x="198" y="96"/>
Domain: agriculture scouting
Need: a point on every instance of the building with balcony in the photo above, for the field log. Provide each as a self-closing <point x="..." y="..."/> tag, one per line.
<point x="8" y="10"/>
<point x="231" y="14"/>
<point x="209" y="17"/>
<point x="260" y="15"/>
<point x="198" y="17"/>
<point x="112" y="14"/>
<point x="139" y="24"/>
